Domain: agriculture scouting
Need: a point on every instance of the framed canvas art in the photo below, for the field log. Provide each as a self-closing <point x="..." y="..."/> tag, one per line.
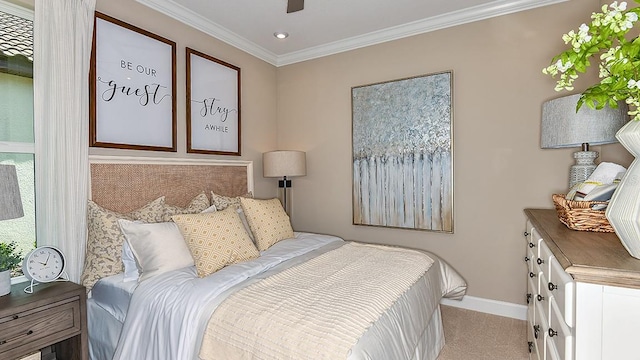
<point x="403" y="154"/>
<point x="132" y="88"/>
<point x="213" y="105"/>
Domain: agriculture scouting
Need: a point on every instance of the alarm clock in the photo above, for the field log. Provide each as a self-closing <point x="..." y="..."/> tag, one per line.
<point x="43" y="264"/>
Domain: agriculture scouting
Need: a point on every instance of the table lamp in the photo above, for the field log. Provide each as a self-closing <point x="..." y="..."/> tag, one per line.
<point x="563" y="127"/>
<point x="284" y="163"/>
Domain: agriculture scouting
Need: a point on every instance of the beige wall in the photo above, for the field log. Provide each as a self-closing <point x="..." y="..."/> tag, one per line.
<point x="258" y="86"/>
<point x="499" y="168"/>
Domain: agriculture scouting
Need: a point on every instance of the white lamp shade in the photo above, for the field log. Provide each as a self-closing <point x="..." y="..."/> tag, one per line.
<point x="10" y="202"/>
<point x="282" y="163"/>
<point x="563" y="127"/>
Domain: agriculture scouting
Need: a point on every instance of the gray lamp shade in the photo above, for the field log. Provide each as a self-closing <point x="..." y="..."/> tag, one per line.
<point x="563" y="127"/>
<point x="10" y="202"/>
<point x="282" y="163"/>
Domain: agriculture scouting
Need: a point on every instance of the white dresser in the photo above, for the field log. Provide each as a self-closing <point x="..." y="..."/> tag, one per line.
<point x="583" y="293"/>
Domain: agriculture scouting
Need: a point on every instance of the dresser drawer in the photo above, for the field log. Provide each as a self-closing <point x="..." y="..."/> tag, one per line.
<point x="542" y="298"/>
<point x="43" y="325"/>
<point x="562" y="288"/>
<point x="530" y="259"/>
<point x="532" y="292"/>
<point x="550" y="351"/>
<point x="559" y="333"/>
<point x="544" y="254"/>
<point x="539" y="329"/>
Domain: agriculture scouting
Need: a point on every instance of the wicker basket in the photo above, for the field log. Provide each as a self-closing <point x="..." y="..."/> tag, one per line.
<point x="579" y="215"/>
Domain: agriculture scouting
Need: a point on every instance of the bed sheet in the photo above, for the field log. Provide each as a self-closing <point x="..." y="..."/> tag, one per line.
<point x="113" y="294"/>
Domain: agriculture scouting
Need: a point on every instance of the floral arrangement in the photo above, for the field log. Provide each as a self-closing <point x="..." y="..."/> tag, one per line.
<point x="9" y="256"/>
<point x="606" y="38"/>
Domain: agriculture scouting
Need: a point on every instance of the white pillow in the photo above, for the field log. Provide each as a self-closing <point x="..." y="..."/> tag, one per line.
<point x="129" y="261"/>
<point x="211" y="208"/>
<point x="157" y="247"/>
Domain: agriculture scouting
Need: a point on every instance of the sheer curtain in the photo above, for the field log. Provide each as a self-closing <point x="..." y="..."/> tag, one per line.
<point x="63" y="32"/>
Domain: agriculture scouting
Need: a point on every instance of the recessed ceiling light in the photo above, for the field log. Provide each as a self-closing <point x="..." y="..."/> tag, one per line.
<point x="281" y="35"/>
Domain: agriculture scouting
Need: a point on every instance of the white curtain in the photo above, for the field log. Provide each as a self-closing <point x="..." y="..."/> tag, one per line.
<point x="63" y="32"/>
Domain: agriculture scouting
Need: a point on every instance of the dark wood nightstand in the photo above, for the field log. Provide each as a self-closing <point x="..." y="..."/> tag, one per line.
<point x="55" y="314"/>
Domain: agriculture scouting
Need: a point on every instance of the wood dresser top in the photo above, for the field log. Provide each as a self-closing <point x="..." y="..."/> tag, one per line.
<point x="591" y="257"/>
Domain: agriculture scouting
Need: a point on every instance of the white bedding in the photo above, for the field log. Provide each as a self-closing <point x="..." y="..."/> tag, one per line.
<point x="167" y="314"/>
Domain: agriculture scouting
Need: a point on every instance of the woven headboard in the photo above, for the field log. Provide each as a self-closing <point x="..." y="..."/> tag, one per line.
<point x="123" y="184"/>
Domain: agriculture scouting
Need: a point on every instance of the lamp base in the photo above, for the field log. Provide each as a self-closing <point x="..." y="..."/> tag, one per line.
<point x="583" y="167"/>
<point x="285" y="197"/>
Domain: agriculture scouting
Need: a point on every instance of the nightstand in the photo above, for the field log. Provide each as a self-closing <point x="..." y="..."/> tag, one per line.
<point x="54" y="315"/>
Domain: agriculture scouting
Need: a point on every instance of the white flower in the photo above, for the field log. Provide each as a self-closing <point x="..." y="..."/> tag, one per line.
<point x="633" y="84"/>
<point x="583" y="35"/>
<point x="563" y="67"/>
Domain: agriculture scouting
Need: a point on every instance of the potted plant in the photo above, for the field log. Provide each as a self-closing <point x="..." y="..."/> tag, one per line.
<point x="610" y="40"/>
<point x="10" y="258"/>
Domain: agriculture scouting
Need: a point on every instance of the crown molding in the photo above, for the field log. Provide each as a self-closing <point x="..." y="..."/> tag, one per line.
<point x="198" y="22"/>
<point x="476" y="13"/>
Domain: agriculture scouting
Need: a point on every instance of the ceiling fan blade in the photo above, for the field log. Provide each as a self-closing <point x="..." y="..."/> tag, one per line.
<point x="295" y="5"/>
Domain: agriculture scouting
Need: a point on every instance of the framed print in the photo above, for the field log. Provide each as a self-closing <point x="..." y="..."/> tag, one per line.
<point x="132" y="88"/>
<point x="213" y="105"/>
<point x="402" y="153"/>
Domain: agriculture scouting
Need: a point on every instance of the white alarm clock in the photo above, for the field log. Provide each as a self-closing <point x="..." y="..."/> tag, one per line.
<point x="43" y="264"/>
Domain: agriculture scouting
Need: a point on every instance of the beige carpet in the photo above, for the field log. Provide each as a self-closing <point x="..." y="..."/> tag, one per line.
<point x="472" y="335"/>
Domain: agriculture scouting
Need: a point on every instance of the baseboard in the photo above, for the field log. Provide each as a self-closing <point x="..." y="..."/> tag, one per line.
<point x="495" y="307"/>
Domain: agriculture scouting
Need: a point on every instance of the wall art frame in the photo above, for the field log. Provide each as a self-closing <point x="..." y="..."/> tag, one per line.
<point x="403" y="153"/>
<point x="213" y="105"/>
<point x="132" y="88"/>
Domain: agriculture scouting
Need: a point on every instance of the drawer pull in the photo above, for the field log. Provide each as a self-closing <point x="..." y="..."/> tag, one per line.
<point x="532" y="245"/>
<point x="540" y="297"/>
<point x="526" y="259"/>
<point x="536" y="330"/>
<point x="16" y="317"/>
<point x="530" y="346"/>
<point x="552" y="332"/>
<point x="526" y="233"/>
<point x="529" y="296"/>
<point x="532" y="275"/>
<point x="540" y="261"/>
<point x="552" y="286"/>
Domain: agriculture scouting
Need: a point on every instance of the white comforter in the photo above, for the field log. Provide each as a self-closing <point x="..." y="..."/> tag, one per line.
<point x="168" y="314"/>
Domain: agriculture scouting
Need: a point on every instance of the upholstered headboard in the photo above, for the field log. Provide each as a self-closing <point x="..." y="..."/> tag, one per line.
<point x="123" y="184"/>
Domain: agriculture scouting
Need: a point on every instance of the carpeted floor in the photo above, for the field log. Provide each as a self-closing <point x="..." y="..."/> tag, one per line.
<point x="472" y="335"/>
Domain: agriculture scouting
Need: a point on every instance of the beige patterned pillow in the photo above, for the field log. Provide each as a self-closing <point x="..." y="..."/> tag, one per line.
<point x="104" y="243"/>
<point x="268" y="221"/>
<point x="198" y="204"/>
<point x="222" y="202"/>
<point x="215" y="239"/>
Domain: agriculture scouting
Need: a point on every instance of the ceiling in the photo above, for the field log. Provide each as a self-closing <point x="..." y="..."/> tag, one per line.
<point x="327" y="27"/>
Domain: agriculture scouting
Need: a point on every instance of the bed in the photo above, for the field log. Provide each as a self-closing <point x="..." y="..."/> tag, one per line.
<point x="303" y="296"/>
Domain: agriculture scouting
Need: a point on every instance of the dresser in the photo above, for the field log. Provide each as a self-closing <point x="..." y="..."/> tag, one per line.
<point x="583" y="293"/>
<point x="53" y="315"/>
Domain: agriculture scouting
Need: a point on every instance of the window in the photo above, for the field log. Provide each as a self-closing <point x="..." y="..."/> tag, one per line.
<point x="16" y="118"/>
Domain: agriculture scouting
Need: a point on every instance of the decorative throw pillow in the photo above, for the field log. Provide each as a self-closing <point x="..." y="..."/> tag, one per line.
<point x="222" y="202"/>
<point x="215" y="239"/>
<point x="268" y="221"/>
<point x="104" y="243"/>
<point x="198" y="204"/>
<point x="157" y="247"/>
